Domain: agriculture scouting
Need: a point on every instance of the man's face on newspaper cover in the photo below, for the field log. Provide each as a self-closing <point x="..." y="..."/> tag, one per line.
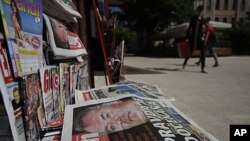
<point x="114" y="117"/>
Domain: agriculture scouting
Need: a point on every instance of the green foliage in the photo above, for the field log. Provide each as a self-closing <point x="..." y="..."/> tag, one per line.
<point x="240" y="38"/>
<point x="157" y="15"/>
<point x="126" y="34"/>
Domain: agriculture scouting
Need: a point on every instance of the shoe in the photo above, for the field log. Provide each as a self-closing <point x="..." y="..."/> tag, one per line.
<point x="197" y="63"/>
<point x="216" y="65"/>
<point x="203" y="71"/>
<point x="183" y="67"/>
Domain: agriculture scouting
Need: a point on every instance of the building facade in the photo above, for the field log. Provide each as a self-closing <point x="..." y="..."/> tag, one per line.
<point x="224" y="10"/>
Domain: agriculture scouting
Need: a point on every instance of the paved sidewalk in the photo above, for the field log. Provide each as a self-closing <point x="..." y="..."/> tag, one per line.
<point x="214" y="100"/>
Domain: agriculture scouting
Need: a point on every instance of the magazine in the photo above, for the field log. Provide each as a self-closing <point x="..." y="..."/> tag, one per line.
<point x="117" y="63"/>
<point x="113" y="91"/>
<point x="33" y="100"/>
<point x="153" y="89"/>
<point x="55" y="76"/>
<point x="12" y="102"/>
<point x="10" y="95"/>
<point x="30" y="93"/>
<point x="129" y="118"/>
<point x="73" y="79"/>
<point x="64" y="84"/>
<point x="45" y="76"/>
<point x="62" y="39"/>
<point x="4" y="64"/>
<point x="82" y="76"/>
<point x="52" y="136"/>
<point x="32" y="132"/>
<point x="23" y="27"/>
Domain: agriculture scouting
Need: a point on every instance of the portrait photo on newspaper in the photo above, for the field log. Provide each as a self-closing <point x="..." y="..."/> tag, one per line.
<point x="129" y="118"/>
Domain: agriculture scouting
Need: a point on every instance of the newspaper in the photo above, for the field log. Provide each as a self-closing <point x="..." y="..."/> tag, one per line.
<point x="23" y="27"/>
<point x="62" y="9"/>
<point x="63" y="40"/>
<point x="114" y="91"/>
<point x="153" y="89"/>
<point x="129" y="118"/>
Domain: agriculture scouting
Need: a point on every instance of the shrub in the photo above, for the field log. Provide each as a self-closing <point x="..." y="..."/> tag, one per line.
<point x="126" y="34"/>
<point x="240" y="39"/>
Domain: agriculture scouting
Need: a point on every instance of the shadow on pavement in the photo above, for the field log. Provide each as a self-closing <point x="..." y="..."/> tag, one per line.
<point x="132" y="70"/>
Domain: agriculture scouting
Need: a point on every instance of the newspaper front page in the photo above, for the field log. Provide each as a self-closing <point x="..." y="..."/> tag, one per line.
<point x="114" y="91"/>
<point x="129" y="118"/>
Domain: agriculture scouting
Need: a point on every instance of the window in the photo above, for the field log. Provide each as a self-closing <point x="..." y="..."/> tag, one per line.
<point x="243" y="5"/>
<point x="217" y="6"/>
<point x="234" y="4"/>
<point x="224" y="19"/>
<point x="226" y="5"/>
<point x="216" y="19"/>
<point x="209" y="5"/>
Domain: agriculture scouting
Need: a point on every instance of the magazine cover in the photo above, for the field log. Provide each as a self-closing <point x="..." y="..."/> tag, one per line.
<point x="57" y="107"/>
<point x="4" y="64"/>
<point x="57" y="104"/>
<point x="82" y="76"/>
<point x="30" y="93"/>
<point x="32" y="127"/>
<point x="10" y="95"/>
<point x="23" y="25"/>
<point x="33" y="100"/>
<point x="73" y="79"/>
<point x="13" y="103"/>
<point x="129" y="118"/>
<point x="117" y="63"/>
<point x="64" y="42"/>
<point x="64" y="84"/>
<point x="45" y="77"/>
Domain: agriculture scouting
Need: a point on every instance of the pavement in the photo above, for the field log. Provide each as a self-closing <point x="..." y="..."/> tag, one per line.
<point x="214" y="100"/>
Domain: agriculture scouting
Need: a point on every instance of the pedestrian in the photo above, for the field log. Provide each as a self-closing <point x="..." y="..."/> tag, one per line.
<point x="195" y="36"/>
<point x="210" y="42"/>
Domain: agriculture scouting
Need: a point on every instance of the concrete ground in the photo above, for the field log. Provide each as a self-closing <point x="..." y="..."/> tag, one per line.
<point x="214" y="101"/>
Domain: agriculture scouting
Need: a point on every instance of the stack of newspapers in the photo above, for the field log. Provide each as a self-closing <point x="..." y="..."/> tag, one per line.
<point x="131" y="111"/>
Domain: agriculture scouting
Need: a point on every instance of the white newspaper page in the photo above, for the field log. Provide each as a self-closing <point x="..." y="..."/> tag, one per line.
<point x="129" y="118"/>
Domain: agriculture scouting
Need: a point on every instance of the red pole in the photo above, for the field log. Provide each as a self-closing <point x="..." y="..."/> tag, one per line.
<point x="103" y="44"/>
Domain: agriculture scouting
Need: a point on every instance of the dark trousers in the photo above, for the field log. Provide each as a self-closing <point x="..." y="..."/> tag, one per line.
<point x="202" y="56"/>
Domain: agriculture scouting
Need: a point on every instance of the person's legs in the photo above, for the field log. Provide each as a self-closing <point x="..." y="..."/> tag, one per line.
<point x="202" y="58"/>
<point x="185" y="63"/>
<point x="216" y="64"/>
<point x="186" y="59"/>
<point x="212" y="52"/>
<point x="198" y="62"/>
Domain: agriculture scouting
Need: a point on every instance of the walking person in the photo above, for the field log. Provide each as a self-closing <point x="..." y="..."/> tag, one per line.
<point x="210" y="42"/>
<point x="195" y="36"/>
